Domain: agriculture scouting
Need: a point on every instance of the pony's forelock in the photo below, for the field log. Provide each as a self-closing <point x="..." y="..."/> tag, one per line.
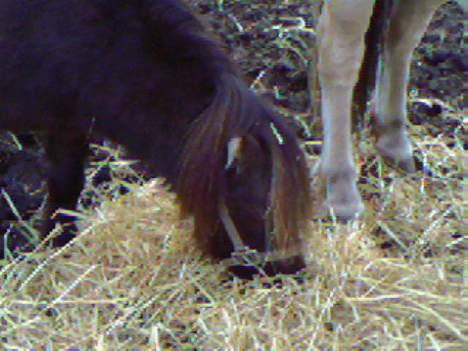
<point x="290" y="196"/>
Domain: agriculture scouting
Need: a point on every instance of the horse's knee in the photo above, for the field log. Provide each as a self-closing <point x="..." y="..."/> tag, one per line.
<point x="339" y="65"/>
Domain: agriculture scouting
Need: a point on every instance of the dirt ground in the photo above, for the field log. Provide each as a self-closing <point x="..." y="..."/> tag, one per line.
<point x="272" y="42"/>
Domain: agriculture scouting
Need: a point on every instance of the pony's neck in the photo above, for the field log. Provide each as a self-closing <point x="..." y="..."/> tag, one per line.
<point x="179" y="37"/>
<point x="189" y="70"/>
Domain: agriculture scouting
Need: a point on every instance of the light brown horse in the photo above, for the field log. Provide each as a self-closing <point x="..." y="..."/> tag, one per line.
<point x="342" y="28"/>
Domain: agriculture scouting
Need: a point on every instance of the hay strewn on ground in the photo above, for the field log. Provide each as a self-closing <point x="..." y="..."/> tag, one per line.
<point x="134" y="279"/>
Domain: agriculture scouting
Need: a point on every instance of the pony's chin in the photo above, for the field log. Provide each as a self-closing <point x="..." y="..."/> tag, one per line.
<point x="291" y="265"/>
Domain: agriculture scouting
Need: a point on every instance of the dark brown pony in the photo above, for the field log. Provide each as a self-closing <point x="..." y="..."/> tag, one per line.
<point x="145" y="74"/>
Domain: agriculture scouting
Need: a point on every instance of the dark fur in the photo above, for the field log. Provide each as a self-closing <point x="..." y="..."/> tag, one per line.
<point x="145" y="74"/>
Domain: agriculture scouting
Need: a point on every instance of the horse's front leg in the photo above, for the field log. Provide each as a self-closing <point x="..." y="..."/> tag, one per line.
<point x="407" y="26"/>
<point x="342" y="27"/>
<point x="66" y="152"/>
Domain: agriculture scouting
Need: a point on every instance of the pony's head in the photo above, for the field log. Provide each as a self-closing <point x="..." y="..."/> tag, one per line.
<point x="245" y="180"/>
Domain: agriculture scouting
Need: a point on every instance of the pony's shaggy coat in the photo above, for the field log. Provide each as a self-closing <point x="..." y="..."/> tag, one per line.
<point x="145" y="74"/>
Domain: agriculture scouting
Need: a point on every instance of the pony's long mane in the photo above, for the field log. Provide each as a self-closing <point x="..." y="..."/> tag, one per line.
<point x="236" y="111"/>
<point x="233" y="111"/>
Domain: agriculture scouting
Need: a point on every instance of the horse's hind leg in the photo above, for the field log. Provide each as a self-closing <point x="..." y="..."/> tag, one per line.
<point x="342" y="27"/>
<point x="407" y="26"/>
<point x="66" y="152"/>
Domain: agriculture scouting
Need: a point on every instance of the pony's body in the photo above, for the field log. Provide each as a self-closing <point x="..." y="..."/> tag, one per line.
<point x="146" y="75"/>
<point x="342" y="28"/>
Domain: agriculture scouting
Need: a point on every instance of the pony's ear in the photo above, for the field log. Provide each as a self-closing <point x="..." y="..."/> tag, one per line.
<point x="234" y="153"/>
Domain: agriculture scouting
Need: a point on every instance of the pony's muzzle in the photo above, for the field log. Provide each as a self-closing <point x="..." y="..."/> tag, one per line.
<point x="289" y="265"/>
<point x="245" y="262"/>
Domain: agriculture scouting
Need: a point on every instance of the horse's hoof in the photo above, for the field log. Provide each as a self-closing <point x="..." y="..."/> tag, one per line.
<point x="64" y="232"/>
<point x="407" y="165"/>
<point x="397" y="151"/>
